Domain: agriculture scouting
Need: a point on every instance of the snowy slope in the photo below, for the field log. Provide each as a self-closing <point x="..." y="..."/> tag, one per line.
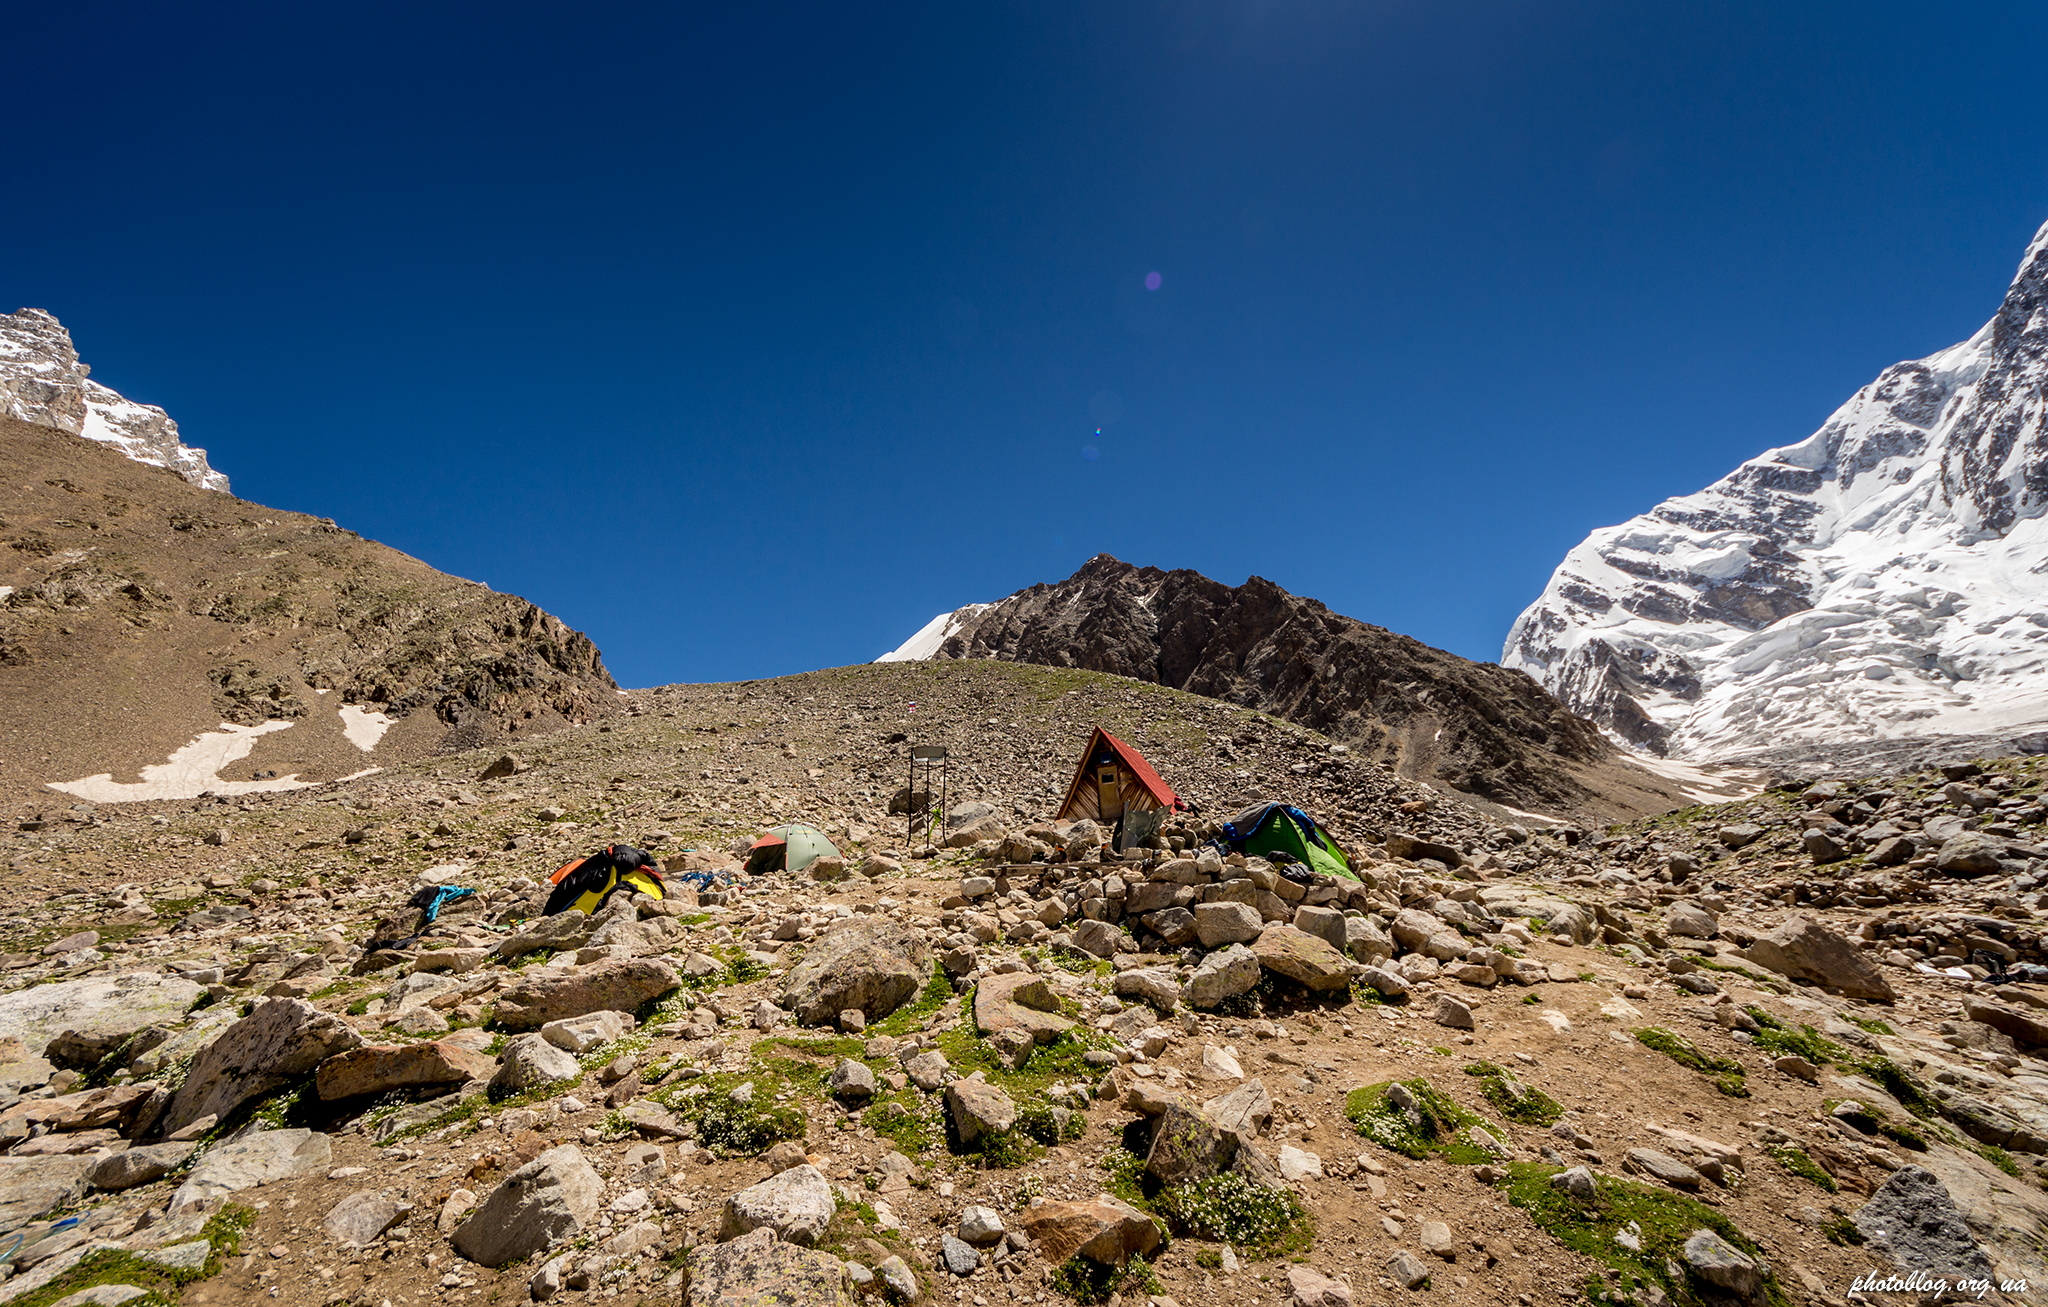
<point x="1885" y="577"/>
<point x="42" y="381"/>
<point x="931" y="635"/>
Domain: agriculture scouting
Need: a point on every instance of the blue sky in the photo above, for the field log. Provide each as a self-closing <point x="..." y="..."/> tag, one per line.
<point x="747" y="341"/>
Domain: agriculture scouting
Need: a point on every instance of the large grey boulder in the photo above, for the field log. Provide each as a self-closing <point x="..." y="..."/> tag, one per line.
<point x="559" y="933"/>
<point x="1724" y="1266"/>
<point x="1970" y="854"/>
<point x="876" y="966"/>
<point x="136" y="1166"/>
<point x="797" y="1205"/>
<point x="620" y="986"/>
<point x="114" y="1006"/>
<point x="1912" y="1217"/>
<point x="1223" y="974"/>
<point x="979" y="1108"/>
<point x="552" y="1198"/>
<point x="1304" y="958"/>
<point x="758" y="1269"/>
<point x="261" y="1158"/>
<point x="281" y="1040"/>
<point x="530" y="1061"/>
<point x="31" y="1186"/>
<point x="1227" y="923"/>
<point x="1806" y="950"/>
<point x="1153" y="985"/>
<point x="362" y="1218"/>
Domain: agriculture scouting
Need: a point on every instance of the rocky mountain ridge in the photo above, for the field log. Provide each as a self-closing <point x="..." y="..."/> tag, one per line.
<point x="1481" y="729"/>
<point x="43" y="383"/>
<point x="1885" y="577"/>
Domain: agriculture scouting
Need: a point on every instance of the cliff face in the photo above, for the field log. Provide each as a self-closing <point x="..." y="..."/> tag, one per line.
<point x="43" y="383"/>
<point x="1883" y="578"/>
<point x="1482" y="729"/>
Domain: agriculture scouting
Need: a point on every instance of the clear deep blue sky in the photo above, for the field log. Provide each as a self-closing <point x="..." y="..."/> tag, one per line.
<point x="746" y="338"/>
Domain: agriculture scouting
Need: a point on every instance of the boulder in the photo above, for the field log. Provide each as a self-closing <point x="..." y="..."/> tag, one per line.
<point x="1451" y="1012"/>
<point x="1308" y="959"/>
<point x="581" y="1034"/>
<point x="281" y="1040"/>
<point x="1414" y="849"/>
<point x="1103" y="1229"/>
<point x="797" y="1205"/>
<point x="1098" y="938"/>
<point x="2027" y="1026"/>
<point x="31" y="1186"/>
<point x="1412" y="927"/>
<point x="260" y="1158"/>
<point x="1970" y="854"/>
<point x="557" y="933"/>
<point x="980" y="1225"/>
<point x="1174" y="925"/>
<point x="1724" y="1266"/>
<point x="1223" y="974"/>
<point x="851" y="1079"/>
<point x="1822" y="847"/>
<point x="1406" y="1269"/>
<point x="1366" y="942"/>
<point x="1691" y="921"/>
<point x="958" y="1256"/>
<point x="876" y="966"/>
<point x="1912" y="1217"/>
<point x="362" y="1218"/>
<point x="1326" y="924"/>
<point x="1385" y="983"/>
<point x="620" y="986"/>
<point x="1306" y="1288"/>
<point x="1806" y="950"/>
<point x="137" y="1166"/>
<point x="1019" y="1000"/>
<point x="1665" y="1168"/>
<point x="1222" y="923"/>
<point x="1153" y="985"/>
<point x="112" y="1007"/>
<point x="551" y="1198"/>
<point x="979" y="1108"/>
<point x="380" y="1068"/>
<point x="760" y="1270"/>
<point x="1188" y="1145"/>
<point x="530" y="1061"/>
<point x="1740" y="835"/>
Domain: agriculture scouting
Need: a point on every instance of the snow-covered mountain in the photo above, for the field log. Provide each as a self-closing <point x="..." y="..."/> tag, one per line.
<point x="1885" y="577"/>
<point x="42" y="381"/>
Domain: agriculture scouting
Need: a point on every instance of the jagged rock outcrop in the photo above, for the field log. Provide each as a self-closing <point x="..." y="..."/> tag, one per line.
<point x="42" y="382"/>
<point x="1484" y="729"/>
<point x="1884" y="577"/>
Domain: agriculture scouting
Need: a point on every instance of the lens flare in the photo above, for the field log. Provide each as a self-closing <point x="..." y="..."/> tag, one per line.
<point x="1090" y="453"/>
<point x="1151" y="281"/>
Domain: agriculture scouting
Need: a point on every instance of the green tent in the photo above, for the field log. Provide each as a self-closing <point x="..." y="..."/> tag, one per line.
<point x="793" y="847"/>
<point x="1266" y="828"/>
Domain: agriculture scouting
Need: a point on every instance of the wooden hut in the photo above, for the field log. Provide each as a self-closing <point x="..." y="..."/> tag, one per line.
<point x="1114" y="781"/>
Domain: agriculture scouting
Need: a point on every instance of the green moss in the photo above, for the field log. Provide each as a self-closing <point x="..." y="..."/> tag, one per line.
<point x="1998" y="1157"/>
<point x="1894" y="1081"/>
<point x="1209" y="1259"/>
<point x="1658" y="1220"/>
<point x="1230" y="1209"/>
<point x="908" y="1120"/>
<point x="1795" y="1160"/>
<point x="1513" y="1099"/>
<point x="1726" y="1071"/>
<point x="1872" y="1025"/>
<point x="1438" y="1127"/>
<point x="1841" y="1230"/>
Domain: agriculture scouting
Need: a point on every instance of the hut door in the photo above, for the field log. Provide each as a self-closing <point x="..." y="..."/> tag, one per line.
<point x="1110" y="793"/>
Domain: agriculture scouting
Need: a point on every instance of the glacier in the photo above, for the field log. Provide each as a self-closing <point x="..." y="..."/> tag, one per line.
<point x="1886" y="577"/>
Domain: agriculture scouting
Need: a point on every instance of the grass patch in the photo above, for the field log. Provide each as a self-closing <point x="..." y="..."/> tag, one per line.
<point x="1726" y="1071"/>
<point x="1064" y="1059"/>
<point x="907" y="1119"/>
<point x="1893" y="1079"/>
<point x="1870" y="1025"/>
<point x="738" y="1115"/>
<point x="1806" y="1042"/>
<point x="1415" y="1119"/>
<point x="1089" y="1282"/>
<point x="1841" y="1230"/>
<point x="937" y="992"/>
<point x="1230" y="1209"/>
<point x="1655" y="1219"/>
<point x="1998" y="1157"/>
<point x="1795" y="1160"/>
<point x="1513" y="1099"/>
<point x="224" y="1231"/>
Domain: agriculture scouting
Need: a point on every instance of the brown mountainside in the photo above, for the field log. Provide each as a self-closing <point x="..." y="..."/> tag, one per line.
<point x="138" y="611"/>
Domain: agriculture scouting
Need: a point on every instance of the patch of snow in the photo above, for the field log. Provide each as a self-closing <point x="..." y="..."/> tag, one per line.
<point x="931" y="636"/>
<point x="364" y="726"/>
<point x="1708" y="784"/>
<point x="190" y="772"/>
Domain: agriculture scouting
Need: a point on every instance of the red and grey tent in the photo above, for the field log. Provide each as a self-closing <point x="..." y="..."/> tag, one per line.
<point x="1113" y="779"/>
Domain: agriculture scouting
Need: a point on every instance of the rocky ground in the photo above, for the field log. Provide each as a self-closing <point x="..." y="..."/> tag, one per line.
<point x="1736" y="1054"/>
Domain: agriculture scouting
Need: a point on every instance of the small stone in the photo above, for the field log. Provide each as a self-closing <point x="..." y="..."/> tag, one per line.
<point x="1434" y="1238"/>
<point x="960" y="1258"/>
<point x="981" y="1225"/>
<point x="1407" y="1270"/>
<point x="851" y="1079"/>
<point x="1297" y="1165"/>
<point x="1723" y="1265"/>
<point x="1452" y="1013"/>
<point x="1578" y="1182"/>
<point x="1307" y="1288"/>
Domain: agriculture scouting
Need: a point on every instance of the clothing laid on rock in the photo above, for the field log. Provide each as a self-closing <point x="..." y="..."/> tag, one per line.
<point x="587" y="883"/>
